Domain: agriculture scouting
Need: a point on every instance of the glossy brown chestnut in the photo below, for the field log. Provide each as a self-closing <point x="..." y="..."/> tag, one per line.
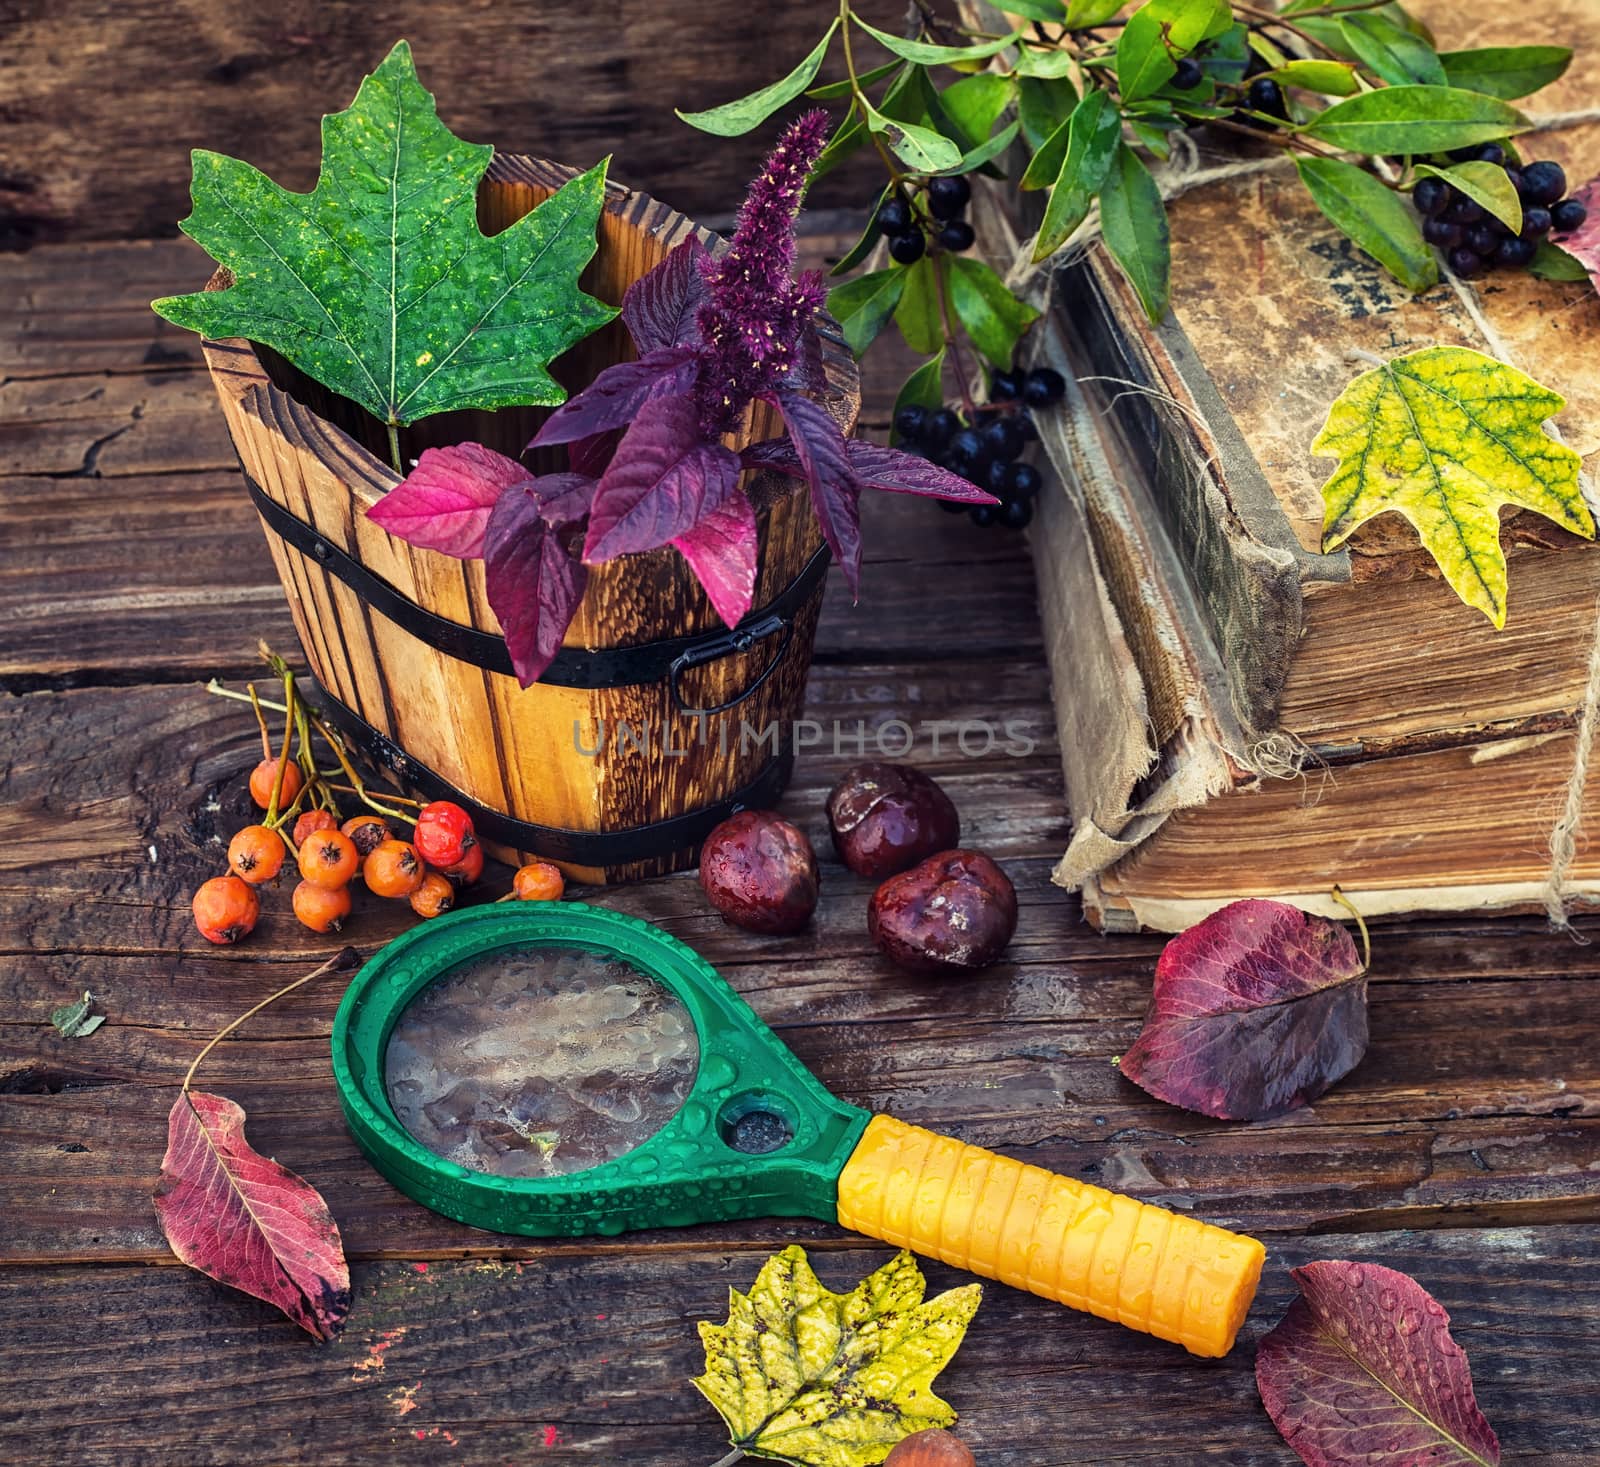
<point x="887" y="817"/>
<point x="953" y="914"/>
<point x="760" y="872"/>
<point x="931" y="1448"/>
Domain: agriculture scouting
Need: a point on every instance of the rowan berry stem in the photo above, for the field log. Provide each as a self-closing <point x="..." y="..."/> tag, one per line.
<point x="355" y="779"/>
<point x="288" y="738"/>
<point x="266" y="741"/>
<point x="346" y="957"/>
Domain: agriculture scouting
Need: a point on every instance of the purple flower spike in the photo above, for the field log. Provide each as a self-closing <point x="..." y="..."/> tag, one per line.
<point x="756" y="311"/>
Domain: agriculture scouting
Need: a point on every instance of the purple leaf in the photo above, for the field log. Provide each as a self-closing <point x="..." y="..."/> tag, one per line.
<point x="534" y="584"/>
<point x="806" y="373"/>
<point x="663" y="474"/>
<point x="722" y="549"/>
<point x="589" y="456"/>
<point x="1255" y="1011"/>
<point x="661" y="306"/>
<point x="615" y="397"/>
<point x="875" y="468"/>
<point x="443" y="504"/>
<point x="1363" y="1369"/>
<point x="564" y="499"/>
<point x="835" y="495"/>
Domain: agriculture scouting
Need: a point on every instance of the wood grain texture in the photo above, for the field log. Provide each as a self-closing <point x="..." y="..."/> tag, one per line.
<point x="585" y="1358"/>
<point x="103" y="102"/>
<point x="1463" y="1150"/>
<point x="548" y="755"/>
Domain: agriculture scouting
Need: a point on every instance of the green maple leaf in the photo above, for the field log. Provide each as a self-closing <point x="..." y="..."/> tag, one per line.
<point x="807" y="1376"/>
<point x="1446" y="436"/>
<point x="379" y="283"/>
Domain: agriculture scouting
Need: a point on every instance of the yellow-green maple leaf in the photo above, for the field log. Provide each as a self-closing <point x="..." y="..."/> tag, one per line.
<point x="807" y="1376"/>
<point x="1445" y="436"/>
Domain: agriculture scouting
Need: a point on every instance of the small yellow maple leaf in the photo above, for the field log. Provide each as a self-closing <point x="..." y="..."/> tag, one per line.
<point x="807" y="1376"/>
<point x="1445" y="436"/>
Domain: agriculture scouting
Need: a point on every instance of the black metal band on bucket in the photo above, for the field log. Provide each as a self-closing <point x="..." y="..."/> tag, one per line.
<point x="572" y="667"/>
<point x="580" y="847"/>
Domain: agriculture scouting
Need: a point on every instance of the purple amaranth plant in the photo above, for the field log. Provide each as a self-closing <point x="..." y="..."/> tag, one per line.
<point x="649" y="466"/>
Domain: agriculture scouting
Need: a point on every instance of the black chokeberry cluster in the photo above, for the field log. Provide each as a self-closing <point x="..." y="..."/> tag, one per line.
<point x="987" y="449"/>
<point x="909" y="228"/>
<point x="1471" y="239"/>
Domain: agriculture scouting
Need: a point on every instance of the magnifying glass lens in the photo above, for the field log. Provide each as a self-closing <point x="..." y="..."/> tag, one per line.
<point x="539" y="1061"/>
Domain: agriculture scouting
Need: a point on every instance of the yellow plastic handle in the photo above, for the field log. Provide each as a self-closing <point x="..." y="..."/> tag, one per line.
<point x="1150" y="1269"/>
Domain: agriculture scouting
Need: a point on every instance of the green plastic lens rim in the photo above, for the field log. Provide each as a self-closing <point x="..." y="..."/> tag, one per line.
<point x="686" y="1173"/>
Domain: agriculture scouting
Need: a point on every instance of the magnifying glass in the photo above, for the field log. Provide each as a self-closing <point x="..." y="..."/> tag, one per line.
<point x="559" y="1070"/>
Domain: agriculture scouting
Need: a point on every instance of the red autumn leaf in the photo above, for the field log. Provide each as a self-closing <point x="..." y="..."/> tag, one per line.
<point x="1255" y="1011"/>
<point x="1363" y="1369"/>
<point x="615" y="396"/>
<point x="722" y="548"/>
<point x="875" y="467"/>
<point x="825" y="464"/>
<point x="443" y="504"/>
<point x="1583" y="243"/>
<point x="246" y="1221"/>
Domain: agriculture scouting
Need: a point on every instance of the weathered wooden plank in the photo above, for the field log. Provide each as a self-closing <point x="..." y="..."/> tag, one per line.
<point x="105" y="101"/>
<point x="574" y="1358"/>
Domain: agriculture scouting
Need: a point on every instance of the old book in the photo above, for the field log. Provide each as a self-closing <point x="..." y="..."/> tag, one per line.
<point x="1241" y="713"/>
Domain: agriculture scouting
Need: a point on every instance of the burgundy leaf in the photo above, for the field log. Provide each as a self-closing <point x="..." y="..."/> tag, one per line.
<point x="443" y="504"/>
<point x="875" y="467"/>
<point x="835" y="495"/>
<point x="246" y="1221"/>
<point x="591" y="455"/>
<point x="661" y="305"/>
<point x="564" y="499"/>
<point x="722" y="549"/>
<point x="1255" y="1011"/>
<point x="663" y="473"/>
<point x="534" y="584"/>
<point x="1583" y="243"/>
<point x="614" y="398"/>
<point x="806" y="373"/>
<point x="1362" y="1369"/>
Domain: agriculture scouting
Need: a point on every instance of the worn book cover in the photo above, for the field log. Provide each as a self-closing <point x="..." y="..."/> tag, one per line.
<point x="1242" y="713"/>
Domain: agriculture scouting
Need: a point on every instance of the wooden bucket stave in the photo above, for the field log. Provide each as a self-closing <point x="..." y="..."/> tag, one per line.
<point x="568" y="760"/>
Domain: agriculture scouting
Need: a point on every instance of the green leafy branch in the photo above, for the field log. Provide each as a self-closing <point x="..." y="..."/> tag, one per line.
<point x="1075" y="100"/>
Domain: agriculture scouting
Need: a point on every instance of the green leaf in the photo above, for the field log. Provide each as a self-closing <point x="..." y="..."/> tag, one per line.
<point x="1415" y="120"/>
<point x="918" y="315"/>
<point x="1052" y="12"/>
<point x="1485" y="184"/>
<point x="920" y="148"/>
<point x="924" y="388"/>
<point x="1153" y="137"/>
<point x="1374" y="216"/>
<point x="833" y="91"/>
<point x="995" y="319"/>
<point x="1133" y="223"/>
<point x="1329" y="78"/>
<point x="1043" y="104"/>
<point x="1159" y="33"/>
<point x="925" y="53"/>
<point x="1505" y="71"/>
<point x="975" y="103"/>
<point x="379" y="283"/>
<point x="1086" y="14"/>
<point x="1044" y="62"/>
<point x="1551" y="262"/>
<point x="734" y="118"/>
<point x="1393" y="54"/>
<point x="850" y="135"/>
<point x="820" y="1379"/>
<point x="868" y="237"/>
<point x="863" y="306"/>
<point x="1094" y="136"/>
<point x="985" y="153"/>
<point x="74" y="1021"/>
<point x="1445" y="436"/>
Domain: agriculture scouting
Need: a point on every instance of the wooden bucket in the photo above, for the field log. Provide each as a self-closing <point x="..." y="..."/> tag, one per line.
<point x="654" y="723"/>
